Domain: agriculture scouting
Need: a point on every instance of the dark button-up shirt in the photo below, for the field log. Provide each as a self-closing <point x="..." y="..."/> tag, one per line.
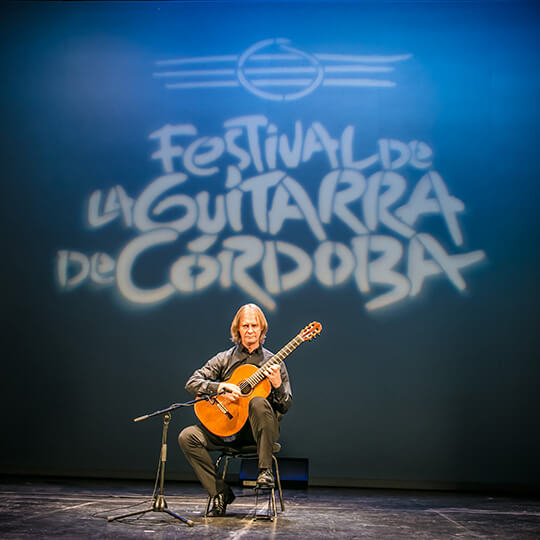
<point x="220" y="368"/>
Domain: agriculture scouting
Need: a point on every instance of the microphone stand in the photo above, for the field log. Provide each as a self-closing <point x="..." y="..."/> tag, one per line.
<point x="160" y="504"/>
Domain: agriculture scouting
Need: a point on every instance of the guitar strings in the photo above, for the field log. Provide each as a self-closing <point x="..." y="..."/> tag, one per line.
<point x="246" y="385"/>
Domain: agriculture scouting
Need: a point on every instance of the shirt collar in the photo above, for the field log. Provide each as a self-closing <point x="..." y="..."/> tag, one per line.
<point x="245" y="351"/>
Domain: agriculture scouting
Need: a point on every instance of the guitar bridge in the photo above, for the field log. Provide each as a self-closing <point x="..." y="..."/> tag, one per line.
<point x="221" y="407"/>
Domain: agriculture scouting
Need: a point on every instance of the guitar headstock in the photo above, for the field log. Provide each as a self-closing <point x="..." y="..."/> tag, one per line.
<point x="312" y="330"/>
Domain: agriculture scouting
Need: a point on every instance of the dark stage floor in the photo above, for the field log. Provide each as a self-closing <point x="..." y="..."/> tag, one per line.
<point x="69" y="508"/>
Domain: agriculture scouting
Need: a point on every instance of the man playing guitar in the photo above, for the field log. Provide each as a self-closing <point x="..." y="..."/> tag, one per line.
<point x="242" y="413"/>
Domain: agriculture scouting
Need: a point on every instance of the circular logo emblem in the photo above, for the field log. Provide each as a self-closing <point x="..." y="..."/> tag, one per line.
<point x="274" y="64"/>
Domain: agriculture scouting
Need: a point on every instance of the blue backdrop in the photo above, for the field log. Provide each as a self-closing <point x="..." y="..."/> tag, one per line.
<point x="370" y="165"/>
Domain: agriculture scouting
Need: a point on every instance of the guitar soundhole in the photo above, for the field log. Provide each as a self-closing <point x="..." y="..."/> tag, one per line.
<point x="245" y="387"/>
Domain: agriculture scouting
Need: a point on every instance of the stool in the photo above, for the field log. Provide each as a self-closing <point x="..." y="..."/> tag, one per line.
<point x="250" y="452"/>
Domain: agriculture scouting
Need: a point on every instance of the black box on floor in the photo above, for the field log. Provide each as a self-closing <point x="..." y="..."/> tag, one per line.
<point x="293" y="472"/>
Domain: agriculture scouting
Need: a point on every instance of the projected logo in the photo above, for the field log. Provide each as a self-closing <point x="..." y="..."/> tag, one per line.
<point x="227" y="207"/>
<point x="273" y="69"/>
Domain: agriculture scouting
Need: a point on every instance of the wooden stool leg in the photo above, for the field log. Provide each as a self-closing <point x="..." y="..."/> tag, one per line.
<point x="278" y="481"/>
<point x="273" y="498"/>
<point x="271" y="510"/>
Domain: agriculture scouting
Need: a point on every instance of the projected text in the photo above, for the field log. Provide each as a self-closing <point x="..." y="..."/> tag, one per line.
<point x="366" y="220"/>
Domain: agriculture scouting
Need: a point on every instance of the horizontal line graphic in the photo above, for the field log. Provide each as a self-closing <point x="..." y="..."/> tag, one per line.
<point x="275" y="70"/>
<point x="283" y="82"/>
<point x="195" y="72"/>
<point x="272" y="57"/>
<point x="357" y="82"/>
<point x="205" y="84"/>
<point x="198" y="59"/>
<point x="367" y="59"/>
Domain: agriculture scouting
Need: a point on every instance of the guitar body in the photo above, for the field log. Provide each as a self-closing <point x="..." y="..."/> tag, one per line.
<point x="230" y="421"/>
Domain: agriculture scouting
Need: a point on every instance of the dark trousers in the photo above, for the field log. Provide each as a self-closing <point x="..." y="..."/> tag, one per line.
<point x="262" y="429"/>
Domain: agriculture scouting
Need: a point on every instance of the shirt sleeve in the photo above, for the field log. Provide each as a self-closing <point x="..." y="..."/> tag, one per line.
<point x="206" y="379"/>
<point x="281" y="397"/>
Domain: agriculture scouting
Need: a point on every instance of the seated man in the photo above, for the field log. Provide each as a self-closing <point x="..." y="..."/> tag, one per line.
<point x="248" y="331"/>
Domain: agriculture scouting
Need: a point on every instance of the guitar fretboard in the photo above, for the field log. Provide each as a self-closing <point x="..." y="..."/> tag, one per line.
<point x="259" y="375"/>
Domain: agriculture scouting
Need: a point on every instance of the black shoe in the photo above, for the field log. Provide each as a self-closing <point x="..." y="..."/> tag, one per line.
<point x="221" y="500"/>
<point x="265" y="479"/>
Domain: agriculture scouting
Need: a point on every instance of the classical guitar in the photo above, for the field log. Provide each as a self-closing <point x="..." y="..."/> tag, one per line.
<point x="225" y="418"/>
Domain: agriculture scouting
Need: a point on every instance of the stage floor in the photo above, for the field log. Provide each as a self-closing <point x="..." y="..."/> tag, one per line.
<point x="75" y="508"/>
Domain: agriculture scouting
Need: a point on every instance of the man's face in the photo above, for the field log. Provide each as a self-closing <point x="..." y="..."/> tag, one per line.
<point x="250" y="330"/>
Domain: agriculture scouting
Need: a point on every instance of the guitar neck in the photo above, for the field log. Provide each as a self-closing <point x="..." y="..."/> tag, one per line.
<point x="259" y="375"/>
